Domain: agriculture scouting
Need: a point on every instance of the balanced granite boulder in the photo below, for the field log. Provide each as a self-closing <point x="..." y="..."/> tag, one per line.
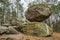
<point x="38" y="12"/>
<point x="35" y="29"/>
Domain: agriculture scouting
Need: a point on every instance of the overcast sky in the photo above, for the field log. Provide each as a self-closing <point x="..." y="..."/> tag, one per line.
<point x="25" y="3"/>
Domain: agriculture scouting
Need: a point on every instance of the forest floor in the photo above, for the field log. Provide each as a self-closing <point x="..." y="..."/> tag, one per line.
<point x="55" y="36"/>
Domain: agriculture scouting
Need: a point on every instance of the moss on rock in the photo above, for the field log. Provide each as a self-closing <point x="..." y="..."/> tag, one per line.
<point x="35" y="29"/>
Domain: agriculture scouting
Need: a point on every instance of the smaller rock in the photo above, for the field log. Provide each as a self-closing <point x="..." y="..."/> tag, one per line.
<point x="6" y="24"/>
<point x="7" y="30"/>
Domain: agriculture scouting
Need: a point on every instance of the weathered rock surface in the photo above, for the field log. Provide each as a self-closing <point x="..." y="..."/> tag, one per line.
<point x="36" y="29"/>
<point x="7" y="30"/>
<point x="6" y="24"/>
<point x="38" y="12"/>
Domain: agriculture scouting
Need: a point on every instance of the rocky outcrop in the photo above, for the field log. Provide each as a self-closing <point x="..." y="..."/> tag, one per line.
<point x="36" y="29"/>
<point x="38" y="12"/>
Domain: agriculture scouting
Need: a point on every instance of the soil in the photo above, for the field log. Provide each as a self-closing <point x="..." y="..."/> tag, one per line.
<point x="55" y="36"/>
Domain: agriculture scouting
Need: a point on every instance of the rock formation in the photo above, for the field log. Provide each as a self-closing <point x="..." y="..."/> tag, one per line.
<point x="38" y="12"/>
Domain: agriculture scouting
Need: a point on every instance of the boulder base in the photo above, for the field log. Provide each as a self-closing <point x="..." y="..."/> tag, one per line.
<point x="36" y="29"/>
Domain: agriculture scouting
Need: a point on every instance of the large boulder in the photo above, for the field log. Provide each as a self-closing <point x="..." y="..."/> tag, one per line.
<point x="36" y="29"/>
<point x="38" y="12"/>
